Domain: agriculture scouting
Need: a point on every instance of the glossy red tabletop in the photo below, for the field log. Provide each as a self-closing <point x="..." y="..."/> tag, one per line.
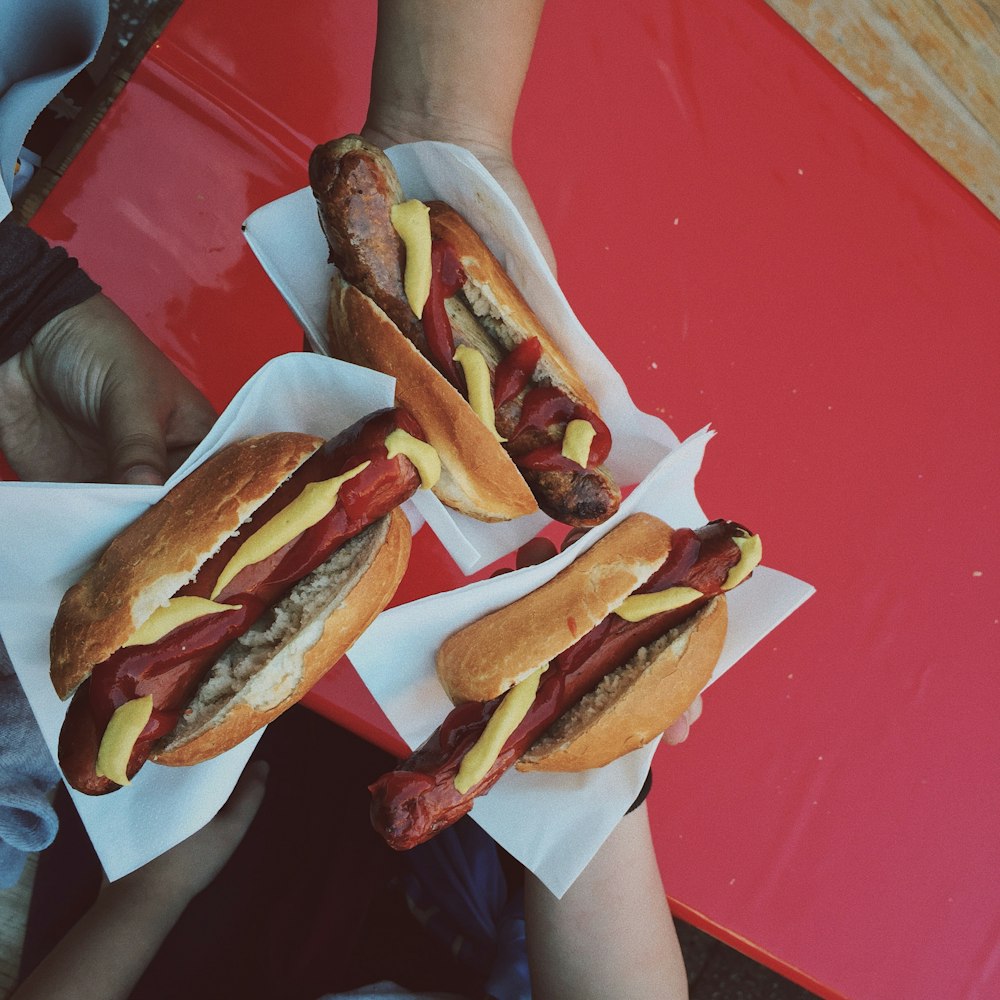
<point x="753" y="245"/>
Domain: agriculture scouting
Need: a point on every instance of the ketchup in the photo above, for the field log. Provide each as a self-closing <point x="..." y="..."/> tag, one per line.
<point x="413" y="802"/>
<point x="447" y="277"/>
<point x="515" y="371"/>
<point x="544" y="406"/>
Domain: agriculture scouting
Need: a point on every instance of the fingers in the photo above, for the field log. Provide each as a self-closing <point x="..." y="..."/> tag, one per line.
<point x="103" y="380"/>
<point x="192" y="419"/>
<point x="152" y="418"/>
<point x="694" y="712"/>
<point x="137" y="452"/>
<point x="679" y="731"/>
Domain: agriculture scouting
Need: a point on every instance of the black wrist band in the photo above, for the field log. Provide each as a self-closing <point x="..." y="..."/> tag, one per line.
<point x="643" y="792"/>
<point x="37" y="282"/>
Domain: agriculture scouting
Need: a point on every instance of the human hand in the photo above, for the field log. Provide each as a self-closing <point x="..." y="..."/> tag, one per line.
<point x="497" y="159"/>
<point x="430" y="81"/>
<point x="678" y="731"/>
<point x="176" y="877"/>
<point x="90" y="398"/>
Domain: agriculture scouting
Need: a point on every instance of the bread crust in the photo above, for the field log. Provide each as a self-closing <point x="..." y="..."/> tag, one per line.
<point x="478" y="476"/>
<point x="638" y="701"/>
<point x="162" y="550"/>
<point x="296" y="666"/>
<point x="481" y="661"/>
<point x="492" y="283"/>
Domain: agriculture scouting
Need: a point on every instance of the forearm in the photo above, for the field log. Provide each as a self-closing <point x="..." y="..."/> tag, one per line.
<point x="456" y="64"/>
<point x="612" y="933"/>
<point x="106" y="953"/>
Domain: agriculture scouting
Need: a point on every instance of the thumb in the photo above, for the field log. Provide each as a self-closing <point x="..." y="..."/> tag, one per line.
<point x="134" y="441"/>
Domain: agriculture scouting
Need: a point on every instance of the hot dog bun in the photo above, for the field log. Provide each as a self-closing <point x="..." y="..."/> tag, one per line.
<point x="163" y="549"/>
<point x="637" y="702"/>
<point x="483" y="660"/>
<point x="272" y="666"/>
<point x="282" y="647"/>
<point x="634" y="703"/>
<point x="478" y="477"/>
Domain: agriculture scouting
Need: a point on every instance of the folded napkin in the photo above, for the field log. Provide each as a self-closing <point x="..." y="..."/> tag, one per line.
<point x="27" y="773"/>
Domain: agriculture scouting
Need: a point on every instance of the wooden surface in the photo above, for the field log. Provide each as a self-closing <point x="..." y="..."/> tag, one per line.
<point x="933" y="66"/>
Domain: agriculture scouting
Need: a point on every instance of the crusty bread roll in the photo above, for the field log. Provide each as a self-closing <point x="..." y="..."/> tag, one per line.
<point x="267" y="668"/>
<point x="163" y="549"/>
<point x="478" y="477"/>
<point x="480" y="662"/>
<point x="637" y="702"/>
<point x="634" y="703"/>
<point x="607" y="679"/>
<point x="270" y="667"/>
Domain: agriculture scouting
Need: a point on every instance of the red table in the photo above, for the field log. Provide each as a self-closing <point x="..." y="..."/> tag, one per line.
<point x="752" y="244"/>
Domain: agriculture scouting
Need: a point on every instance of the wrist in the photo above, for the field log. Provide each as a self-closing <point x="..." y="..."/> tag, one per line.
<point x="147" y="898"/>
<point x="388" y="126"/>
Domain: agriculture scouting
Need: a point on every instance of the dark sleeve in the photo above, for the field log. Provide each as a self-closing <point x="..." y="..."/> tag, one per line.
<point x="37" y="282"/>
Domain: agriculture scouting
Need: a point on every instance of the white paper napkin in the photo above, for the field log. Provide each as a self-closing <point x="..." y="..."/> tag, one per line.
<point x="52" y="531"/>
<point x="554" y="823"/>
<point x="287" y="239"/>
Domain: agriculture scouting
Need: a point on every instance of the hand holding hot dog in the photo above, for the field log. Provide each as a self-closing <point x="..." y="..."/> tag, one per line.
<point x="429" y="81"/>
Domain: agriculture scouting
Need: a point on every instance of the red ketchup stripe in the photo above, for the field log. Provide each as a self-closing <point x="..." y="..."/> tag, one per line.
<point x="447" y="277"/>
<point x="544" y="406"/>
<point x="515" y="371"/>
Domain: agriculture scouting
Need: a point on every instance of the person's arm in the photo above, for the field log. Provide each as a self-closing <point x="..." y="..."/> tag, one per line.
<point x="612" y="933"/>
<point x="452" y="70"/>
<point x="106" y="953"/>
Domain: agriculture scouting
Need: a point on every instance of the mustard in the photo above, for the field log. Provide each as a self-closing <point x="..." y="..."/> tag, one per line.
<point x="477" y="379"/>
<point x="307" y="509"/>
<point x="424" y="457"/>
<point x="751" y="550"/>
<point x="177" y="611"/>
<point x="125" y="727"/>
<point x="577" y="441"/>
<point x="641" y="606"/>
<point x="507" y="717"/>
<point x="411" y="220"/>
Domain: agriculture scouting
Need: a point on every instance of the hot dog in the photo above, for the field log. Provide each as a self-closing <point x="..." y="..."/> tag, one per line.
<point x="516" y="427"/>
<point x="603" y="685"/>
<point x="220" y="606"/>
